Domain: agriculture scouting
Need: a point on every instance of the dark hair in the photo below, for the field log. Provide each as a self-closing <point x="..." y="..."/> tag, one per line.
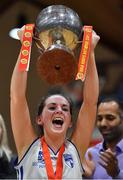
<point x="118" y="101"/>
<point x="51" y="92"/>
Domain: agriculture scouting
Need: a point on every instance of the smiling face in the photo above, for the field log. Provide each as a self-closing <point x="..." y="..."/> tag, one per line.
<point x="109" y="121"/>
<point x="55" y="117"/>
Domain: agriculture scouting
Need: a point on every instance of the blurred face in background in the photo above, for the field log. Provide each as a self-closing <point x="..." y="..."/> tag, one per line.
<point x="109" y="121"/>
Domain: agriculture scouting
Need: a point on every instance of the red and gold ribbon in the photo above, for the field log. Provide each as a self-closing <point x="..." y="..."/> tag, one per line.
<point x="84" y="54"/>
<point x="48" y="163"/>
<point x="26" y="47"/>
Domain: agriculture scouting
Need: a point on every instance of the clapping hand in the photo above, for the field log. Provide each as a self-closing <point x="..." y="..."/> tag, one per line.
<point x="109" y="162"/>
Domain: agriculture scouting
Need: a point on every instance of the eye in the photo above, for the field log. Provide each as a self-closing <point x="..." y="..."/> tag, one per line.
<point x="65" y="109"/>
<point x="99" y="118"/>
<point x="52" y="108"/>
<point x="110" y="117"/>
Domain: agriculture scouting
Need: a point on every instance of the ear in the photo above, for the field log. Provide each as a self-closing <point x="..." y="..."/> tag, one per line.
<point x="39" y="120"/>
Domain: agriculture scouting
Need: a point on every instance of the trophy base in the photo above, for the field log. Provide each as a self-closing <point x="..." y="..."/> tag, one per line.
<point x="57" y="66"/>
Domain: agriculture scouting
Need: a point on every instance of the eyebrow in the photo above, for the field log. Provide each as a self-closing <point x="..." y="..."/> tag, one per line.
<point x="108" y="114"/>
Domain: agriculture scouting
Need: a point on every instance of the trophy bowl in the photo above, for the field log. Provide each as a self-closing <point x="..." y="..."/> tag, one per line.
<point x="58" y="30"/>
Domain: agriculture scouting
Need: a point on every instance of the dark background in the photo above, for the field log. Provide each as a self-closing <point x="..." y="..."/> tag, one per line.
<point x="105" y="16"/>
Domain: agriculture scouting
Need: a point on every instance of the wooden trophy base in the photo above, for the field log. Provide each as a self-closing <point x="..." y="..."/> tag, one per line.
<point x="57" y="66"/>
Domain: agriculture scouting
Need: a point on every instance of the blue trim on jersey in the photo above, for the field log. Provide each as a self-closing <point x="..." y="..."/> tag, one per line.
<point x="21" y="172"/>
<point x="16" y="161"/>
<point x="53" y="151"/>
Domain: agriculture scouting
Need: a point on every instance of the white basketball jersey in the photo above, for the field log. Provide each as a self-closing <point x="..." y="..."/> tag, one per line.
<point x="32" y="165"/>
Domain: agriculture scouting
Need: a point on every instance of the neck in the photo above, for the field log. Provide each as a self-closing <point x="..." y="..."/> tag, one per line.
<point x="55" y="142"/>
<point x="110" y="145"/>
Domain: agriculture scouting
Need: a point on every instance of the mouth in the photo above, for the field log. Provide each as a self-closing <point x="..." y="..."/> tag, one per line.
<point x="105" y="132"/>
<point x="58" y="122"/>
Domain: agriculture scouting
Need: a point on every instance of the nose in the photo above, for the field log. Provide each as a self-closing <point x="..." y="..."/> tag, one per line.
<point x="59" y="109"/>
<point x="103" y="123"/>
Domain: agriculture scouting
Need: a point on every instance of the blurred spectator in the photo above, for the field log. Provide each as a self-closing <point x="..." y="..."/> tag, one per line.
<point x="7" y="170"/>
<point x="105" y="160"/>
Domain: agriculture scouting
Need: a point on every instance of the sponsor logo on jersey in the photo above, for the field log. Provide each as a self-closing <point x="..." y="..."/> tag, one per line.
<point x="69" y="160"/>
<point x="40" y="160"/>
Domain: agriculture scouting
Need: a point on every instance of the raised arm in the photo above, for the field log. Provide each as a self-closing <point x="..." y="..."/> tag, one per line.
<point x="20" y="117"/>
<point x="87" y="114"/>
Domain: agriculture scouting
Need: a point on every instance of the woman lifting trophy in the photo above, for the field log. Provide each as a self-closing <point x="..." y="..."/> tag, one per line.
<point x="57" y="33"/>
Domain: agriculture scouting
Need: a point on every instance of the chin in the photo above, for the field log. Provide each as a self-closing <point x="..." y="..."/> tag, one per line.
<point x="59" y="132"/>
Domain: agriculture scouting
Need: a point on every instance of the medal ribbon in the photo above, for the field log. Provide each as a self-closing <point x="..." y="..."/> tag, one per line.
<point x="48" y="162"/>
<point x="26" y="47"/>
<point x="84" y="54"/>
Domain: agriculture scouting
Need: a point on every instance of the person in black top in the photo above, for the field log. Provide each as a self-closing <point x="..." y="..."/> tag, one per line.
<point x="7" y="170"/>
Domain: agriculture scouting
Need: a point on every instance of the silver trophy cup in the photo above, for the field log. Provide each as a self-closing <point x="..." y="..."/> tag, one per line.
<point x="58" y="33"/>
